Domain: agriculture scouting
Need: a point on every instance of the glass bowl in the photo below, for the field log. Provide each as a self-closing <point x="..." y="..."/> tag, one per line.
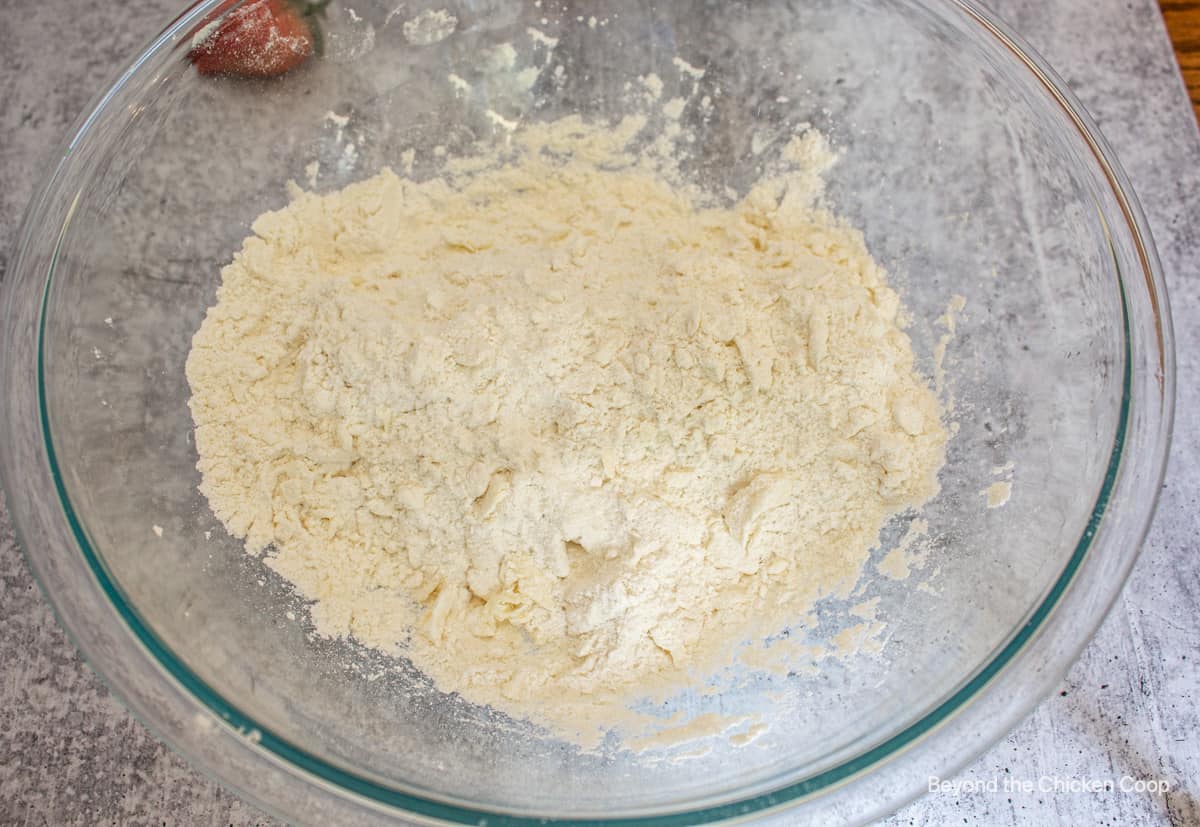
<point x="972" y="173"/>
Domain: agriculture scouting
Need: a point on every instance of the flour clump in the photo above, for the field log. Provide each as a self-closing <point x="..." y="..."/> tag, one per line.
<point x="556" y="427"/>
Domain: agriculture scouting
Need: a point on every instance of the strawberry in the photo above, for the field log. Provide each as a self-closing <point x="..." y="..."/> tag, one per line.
<point x="261" y="38"/>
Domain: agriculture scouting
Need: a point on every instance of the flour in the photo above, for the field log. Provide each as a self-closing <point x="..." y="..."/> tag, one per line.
<point x="900" y="561"/>
<point x="680" y="730"/>
<point x="558" y="449"/>
<point x="997" y="494"/>
<point x="429" y="27"/>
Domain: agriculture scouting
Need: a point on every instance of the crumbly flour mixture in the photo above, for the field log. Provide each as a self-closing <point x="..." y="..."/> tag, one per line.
<point x="555" y="427"/>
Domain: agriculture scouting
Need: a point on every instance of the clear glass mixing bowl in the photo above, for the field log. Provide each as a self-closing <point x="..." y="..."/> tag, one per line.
<point x="971" y="172"/>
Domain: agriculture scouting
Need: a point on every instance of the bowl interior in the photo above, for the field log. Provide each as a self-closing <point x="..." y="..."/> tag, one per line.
<point x="962" y="172"/>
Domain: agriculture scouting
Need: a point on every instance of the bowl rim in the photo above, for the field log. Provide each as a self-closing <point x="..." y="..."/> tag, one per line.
<point x="238" y="731"/>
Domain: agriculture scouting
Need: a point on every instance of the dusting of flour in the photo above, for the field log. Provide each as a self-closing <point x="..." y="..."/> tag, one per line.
<point x="429" y="27"/>
<point x="554" y="428"/>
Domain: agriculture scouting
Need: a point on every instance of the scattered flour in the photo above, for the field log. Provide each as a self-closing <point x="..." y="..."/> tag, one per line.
<point x="948" y="320"/>
<point x="688" y="69"/>
<point x="682" y="730"/>
<point x="540" y="37"/>
<point x="673" y="108"/>
<point x="429" y="27"/>
<point x="500" y="121"/>
<point x="527" y="77"/>
<point x="561" y="451"/>
<point x="751" y="734"/>
<point x="997" y="494"/>
<point x="899" y="562"/>
<point x="500" y="58"/>
<point x="653" y="85"/>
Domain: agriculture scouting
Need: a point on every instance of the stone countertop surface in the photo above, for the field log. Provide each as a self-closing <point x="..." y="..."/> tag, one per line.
<point x="71" y="754"/>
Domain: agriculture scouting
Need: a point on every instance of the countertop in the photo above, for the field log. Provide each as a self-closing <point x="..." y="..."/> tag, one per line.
<point x="71" y="754"/>
<point x="1183" y="23"/>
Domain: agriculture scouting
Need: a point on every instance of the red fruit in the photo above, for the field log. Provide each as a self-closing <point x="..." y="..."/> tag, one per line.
<point x="262" y="38"/>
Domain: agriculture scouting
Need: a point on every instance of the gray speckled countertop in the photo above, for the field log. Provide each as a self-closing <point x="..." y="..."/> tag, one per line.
<point x="70" y="754"/>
